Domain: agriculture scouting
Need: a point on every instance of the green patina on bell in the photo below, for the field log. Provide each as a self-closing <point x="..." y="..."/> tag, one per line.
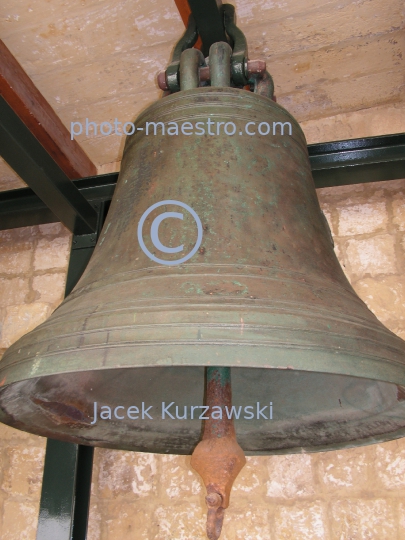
<point x="264" y="294"/>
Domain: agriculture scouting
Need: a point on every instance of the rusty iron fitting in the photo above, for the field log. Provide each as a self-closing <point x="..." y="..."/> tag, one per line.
<point x="264" y="86"/>
<point x="218" y="458"/>
<point x="252" y="67"/>
<point x="255" y="67"/>
<point x="204" y="74"/>
<point x="215" y="515"/>
<point x="161" y="81"/>
<point x="213" y="500"/>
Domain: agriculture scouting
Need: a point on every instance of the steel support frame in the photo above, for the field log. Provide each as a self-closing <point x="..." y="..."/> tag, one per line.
<point x="338" y="163"/>
<point x="209" y="22"/>
<point x="23" y="208"/>
<point x="66" y="484"/>
<point x="25" y="154"/>
<point x="358" y="161"/>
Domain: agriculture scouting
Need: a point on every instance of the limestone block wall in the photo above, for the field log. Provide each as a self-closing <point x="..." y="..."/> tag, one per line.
<point x="33" y="263"/>
<point x="355" y="494"/>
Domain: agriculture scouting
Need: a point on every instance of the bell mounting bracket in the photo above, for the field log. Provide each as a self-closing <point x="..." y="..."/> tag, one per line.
<point x="241" y="75"/>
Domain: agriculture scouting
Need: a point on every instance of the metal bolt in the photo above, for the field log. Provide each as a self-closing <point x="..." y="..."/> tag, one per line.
<point x="213" y="499"/>
<point x="161" y="81"/>
<point x="252" y="67"/>
<point x="255" y="67"/>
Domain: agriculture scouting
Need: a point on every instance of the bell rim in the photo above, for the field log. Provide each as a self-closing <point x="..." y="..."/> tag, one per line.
<point x="90" y="438"/>
<point x="225" y="354"/>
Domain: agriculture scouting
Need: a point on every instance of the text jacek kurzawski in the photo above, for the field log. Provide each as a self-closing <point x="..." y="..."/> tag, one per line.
<point x="171" y="411"/>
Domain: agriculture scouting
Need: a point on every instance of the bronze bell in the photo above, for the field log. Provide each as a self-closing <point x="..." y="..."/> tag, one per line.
<point x="263" y="294"/>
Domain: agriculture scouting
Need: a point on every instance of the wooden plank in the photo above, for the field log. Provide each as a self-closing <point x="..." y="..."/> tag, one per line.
<point x="184" y="10"/>
<point x="30" y="105"/>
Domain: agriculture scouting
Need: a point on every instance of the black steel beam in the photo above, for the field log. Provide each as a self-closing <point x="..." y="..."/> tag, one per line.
<point x="354" y="161"/>
<point x="65" y="497"/>
<point x="22" y="208"/>
<point x="66" y="483"/>
<point x="209" y="21"/>
<point x="22" y="151"/>
<point x="358" y="161"/>
<point x="58" y="489"/>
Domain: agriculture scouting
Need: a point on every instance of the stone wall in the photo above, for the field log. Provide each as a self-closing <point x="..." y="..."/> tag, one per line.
<point x="33" y="263"/>
<point x="353" y="494"/>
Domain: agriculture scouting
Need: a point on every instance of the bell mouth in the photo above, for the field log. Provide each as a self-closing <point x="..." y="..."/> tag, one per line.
<point x="158" y="409"/>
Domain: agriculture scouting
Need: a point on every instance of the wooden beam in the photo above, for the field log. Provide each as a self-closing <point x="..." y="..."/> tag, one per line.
<point x="184" y="10"/>
<point x="30" y="105"/>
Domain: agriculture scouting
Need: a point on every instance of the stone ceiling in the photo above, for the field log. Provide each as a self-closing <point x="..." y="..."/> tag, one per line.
<point x="97" y="59"/>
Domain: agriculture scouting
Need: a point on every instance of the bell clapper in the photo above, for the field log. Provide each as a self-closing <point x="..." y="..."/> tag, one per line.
<point x="218" y="458"/>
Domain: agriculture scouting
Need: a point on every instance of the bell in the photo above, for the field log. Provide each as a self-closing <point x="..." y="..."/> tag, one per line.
<point x="215" y="253"/>
<point x="263" y="294"/>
